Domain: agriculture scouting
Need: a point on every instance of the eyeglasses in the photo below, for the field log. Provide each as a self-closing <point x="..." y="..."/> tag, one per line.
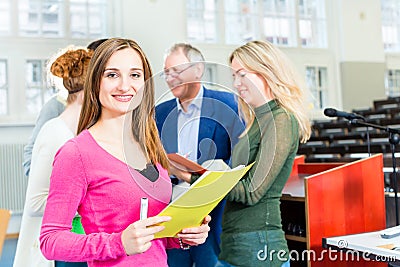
<point x="175" y="73"/>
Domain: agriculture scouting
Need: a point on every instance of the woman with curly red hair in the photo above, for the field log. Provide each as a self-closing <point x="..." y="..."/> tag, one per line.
<point x="71" y="66"/>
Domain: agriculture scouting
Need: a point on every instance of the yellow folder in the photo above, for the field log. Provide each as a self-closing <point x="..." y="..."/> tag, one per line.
<point x="191" y="207"/>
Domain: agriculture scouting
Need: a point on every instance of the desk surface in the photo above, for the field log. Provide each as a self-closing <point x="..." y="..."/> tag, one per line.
<point x="370" y="243"/>
<point x="294" y="187"/>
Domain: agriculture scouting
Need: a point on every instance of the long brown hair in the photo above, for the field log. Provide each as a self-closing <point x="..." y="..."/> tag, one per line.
<point x="144" y="128"/>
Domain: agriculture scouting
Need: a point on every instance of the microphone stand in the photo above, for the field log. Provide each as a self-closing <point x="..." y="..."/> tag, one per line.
<point x="394" y="139"/>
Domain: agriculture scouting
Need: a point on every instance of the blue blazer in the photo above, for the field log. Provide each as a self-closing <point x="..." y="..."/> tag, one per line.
<point x="219" y="126"/>
<point x="219" y="130"/>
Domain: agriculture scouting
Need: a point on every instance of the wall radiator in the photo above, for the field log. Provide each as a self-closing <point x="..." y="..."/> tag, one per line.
<point x="13" y="182"/>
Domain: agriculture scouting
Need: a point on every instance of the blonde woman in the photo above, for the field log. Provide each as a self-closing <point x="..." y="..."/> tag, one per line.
<point x="272" y="104"/>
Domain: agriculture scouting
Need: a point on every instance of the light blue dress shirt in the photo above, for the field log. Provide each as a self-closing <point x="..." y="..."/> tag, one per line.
<point x="188" y="127"/>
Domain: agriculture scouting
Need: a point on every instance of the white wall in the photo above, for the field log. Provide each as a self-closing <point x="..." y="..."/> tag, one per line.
<point x="360" y="31"/>
<point x="155" y="25"/>
<point x="361" y="54"/>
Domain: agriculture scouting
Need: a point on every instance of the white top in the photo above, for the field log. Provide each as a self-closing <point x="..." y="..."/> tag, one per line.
<point x="51" y="137"/>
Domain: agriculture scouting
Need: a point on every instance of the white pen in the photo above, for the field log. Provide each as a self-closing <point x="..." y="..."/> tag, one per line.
<point x="144" y="206"/>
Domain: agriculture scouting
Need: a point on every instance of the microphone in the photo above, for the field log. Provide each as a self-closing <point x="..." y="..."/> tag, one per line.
<point x="331" y="112"/>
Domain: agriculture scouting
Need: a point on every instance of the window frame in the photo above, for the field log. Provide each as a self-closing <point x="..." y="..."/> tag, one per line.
<point x="322" y="91"/>
<point x="44" y="90"/>
<point x="256" y="20"/>
<point x="392" y="85"/>
<point x="390" y="26"/>
<point x="23" y="48"/>
<point x="5" y="87"/>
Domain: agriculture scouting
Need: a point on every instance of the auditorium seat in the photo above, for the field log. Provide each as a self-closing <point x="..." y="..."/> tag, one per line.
<point x="341" y="140"/>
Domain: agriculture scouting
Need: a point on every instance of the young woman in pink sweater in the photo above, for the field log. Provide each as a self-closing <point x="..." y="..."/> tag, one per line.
<point x="102" y="174"/>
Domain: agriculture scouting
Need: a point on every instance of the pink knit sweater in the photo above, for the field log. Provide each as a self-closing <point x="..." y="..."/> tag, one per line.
<point x="106" y="192"/>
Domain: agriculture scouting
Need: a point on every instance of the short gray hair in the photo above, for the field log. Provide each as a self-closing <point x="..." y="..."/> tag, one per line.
<point x="192" y="53"/>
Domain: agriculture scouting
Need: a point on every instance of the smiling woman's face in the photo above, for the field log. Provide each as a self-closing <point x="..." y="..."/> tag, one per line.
<point x="122" y="83"/>
<point x="252" y="87"/>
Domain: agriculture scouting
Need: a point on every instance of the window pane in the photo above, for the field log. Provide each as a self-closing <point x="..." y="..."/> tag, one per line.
<point x="311" y="77"/>
<point x="37" y="89"/>
<point x="97" y="21"/>
<point x="40" y="18"/>
<point x="241" y="21"/>
<point x="201" y="21"/>
<point x="29" y="17"/>
<point x="279" y="22"/>
<point x="312" y="23"/>
<point x="52" y="14"/>
<point x="88" y="18"/>
<point x="3" y="88"/>
<point x="317" y="83"/>
<point x="79" y="23"/>
<point x="34" y="84"/>
<point x="323" y="86"/>
<point x="390" y="25"/>
<point x="5" y="19"/>
<point x="392" y="83"/>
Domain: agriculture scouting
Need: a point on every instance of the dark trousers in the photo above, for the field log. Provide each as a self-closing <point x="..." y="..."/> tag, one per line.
<point x="70" y="264"/>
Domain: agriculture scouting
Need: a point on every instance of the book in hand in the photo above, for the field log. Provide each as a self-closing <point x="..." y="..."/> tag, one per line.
<point x="186" y="164"/>
<point x="183" y="163"/>
<point x="191" y="207"/>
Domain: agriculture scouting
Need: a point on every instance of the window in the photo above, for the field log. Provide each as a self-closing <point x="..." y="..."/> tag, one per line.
<point x="201" y="21"/>
<point x="37" y="91"/>
<point x="88" y="18"/>
<point x="210" y="73"/>
<point x="49" y="24"/>
<point x="279" y="21"/>
<point x="5" y="18"/>
<point x="241" y="20"/>
<point x="295" y="23"/>
<point x="312" y="23"/>
<point x="390" y="25"/>
<point x="392" y="82"/>
<point x="292" y="23"/>
<point x="3" y="87"/>
<point x="317" y="83"/>
<point x="52" y="18"/>
<point x="40" y="17"/>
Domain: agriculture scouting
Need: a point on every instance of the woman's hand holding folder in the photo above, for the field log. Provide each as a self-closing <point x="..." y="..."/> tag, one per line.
<point x="137" y="237"/>
<point x="196" y="235"/>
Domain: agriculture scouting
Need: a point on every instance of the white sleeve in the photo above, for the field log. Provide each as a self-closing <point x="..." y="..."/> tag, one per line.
<point x="48" y="142"/>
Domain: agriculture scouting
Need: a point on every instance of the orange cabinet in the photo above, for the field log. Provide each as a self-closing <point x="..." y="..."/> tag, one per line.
<point x="331" y="199"/>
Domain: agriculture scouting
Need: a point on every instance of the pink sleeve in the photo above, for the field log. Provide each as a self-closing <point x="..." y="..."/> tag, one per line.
<point x="68" y="186"/>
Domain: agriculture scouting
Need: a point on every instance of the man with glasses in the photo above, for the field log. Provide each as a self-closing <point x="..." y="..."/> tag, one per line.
<point x="201" y="124"/>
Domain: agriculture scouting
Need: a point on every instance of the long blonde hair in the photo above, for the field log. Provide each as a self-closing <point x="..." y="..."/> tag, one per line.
<point x="144" y="128"/>
<point x="269" y="62"/>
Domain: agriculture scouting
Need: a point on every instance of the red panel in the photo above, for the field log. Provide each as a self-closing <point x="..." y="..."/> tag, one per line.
<point x="314" y="168"/>
<point x="298" y="160"/>
<point x="344" y="200"/>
